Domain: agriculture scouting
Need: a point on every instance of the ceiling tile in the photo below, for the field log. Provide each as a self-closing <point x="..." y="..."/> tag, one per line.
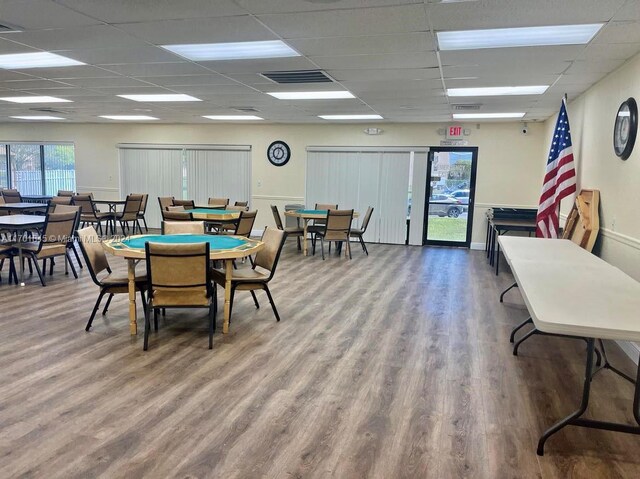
<point x="616" y="51"/>
<point x="260" y="65"/>
<point x="188" y="80"/>
<point x="364" y="45"/>
<point x="382" y="74"/>
<point x="69" y="38"/>
<point x="289" y="6"/>
<point x="157" y="69"/>
<point x="359" y="62"/>
<point x="619" y="32"/>
<point x="83" y="71"/>
<point x="601" y="66"/>
<point x="40" y="14"/>
<point x="108" y="56"/>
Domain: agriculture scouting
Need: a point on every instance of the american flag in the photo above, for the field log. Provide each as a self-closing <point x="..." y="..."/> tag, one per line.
<point x="559" y="180"/>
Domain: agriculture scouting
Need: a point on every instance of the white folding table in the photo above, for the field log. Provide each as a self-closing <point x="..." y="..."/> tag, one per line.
<point x="571" y="292"/>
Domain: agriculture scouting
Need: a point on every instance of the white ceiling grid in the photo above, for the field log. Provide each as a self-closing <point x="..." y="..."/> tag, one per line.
<point x="383" y="51"/>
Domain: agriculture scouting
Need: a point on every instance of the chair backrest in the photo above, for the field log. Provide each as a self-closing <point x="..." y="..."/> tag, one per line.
<point x="11" y="196"/>
<point x="58" y="229"/>
<point x="143" y="204"/>
<point x="177" y="216"/>
<point x="175" y="208"/>
<point x="165" y="201"/>
<point x="276" y="217"/>
<point x="2" y="201"/>
<point x="237" y="208"/>
<point x="218" y="201"/>
<point x="323" y="206"/>
<point x="66" y="208"/>
<point x="65" y="193"/>
<point x="180" y="227"/>
<point x="241" y="203"/>
<point x="268" y="256"/>
<point x="93" y="252"/>
<point x="178" y="274"/>
<point x="188" y="204"/>
<point x="131" y="208"/>
<point x="85" y="202"/>
<point x="366" y="219"/>
<point x="61" y="200"/>
<point x="245" y="223"/>
<point x="338" y="225"/>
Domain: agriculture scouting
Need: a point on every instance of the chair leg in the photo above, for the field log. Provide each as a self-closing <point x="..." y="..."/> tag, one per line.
<point x="233" y="293"/>
<point x="273" y="305"/>
<point x="155" y="320"/>
<point x="68" y="260"/>
<point x="75" y="252"/>
<point x="322" y="246"/>
<point x="299" y="244"/>
<point x="106" y="306"/>
<point x="313" y="245"/>
<point x="255" y="300"/>
<point x="146" y="228"/>
<point x="44" y="266"/>
<point x="147" y="327"/>
<point x="35" y="261"/>
<point x="212" y="323"/>
<point x="364" y="247"/>
<point x="95" y="310"/>
<point x="349" y="247"/>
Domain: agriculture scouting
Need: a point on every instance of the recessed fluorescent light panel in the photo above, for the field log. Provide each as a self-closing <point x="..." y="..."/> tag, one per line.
<point x="518" y="37"/>
<point x="232" y="117"/>
<point x="36" y="117"/>
<point x="350" y="117"/>
<point x="311" y="95"/>
<point x="498" y="91"/>
<point x="162" y="97"/>
<point x="20" y="61"/>
<point x="485" y="116"/>
<point x="128" y="117"/>
<point x="35" y="99"/>
<point x="233" y="51"/>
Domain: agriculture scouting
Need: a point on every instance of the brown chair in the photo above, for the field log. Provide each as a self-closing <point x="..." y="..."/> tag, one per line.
<point x="58" y="232"/>
<point x="298" y="232"/>
<point x="241" y="203"/>
<point x="143" y="210"/>
<point x="72" y="244"/>
<point x="11" y="196"/>
<point x="176" y="213"/>
<point x="181" y="227"/>
<point x="188" y="204"/>
<point x="129" y="214"/>
<point x="97" y="262"/>
<point x="318" y="225"/>
<point x="178" y="277"/>
<point x="337" y="230"/>
<point x="246" y="279"/>
<point x="359" y="232"/>
<point x="89" y="213"/>
<point x="6" y="254"/>
<point x="66" y="193"/>
<point x="165" y="202"/>
<point x="245" y="223"/>
<point x="218" y="202"/>
<point x="61" y="200"/>
<point x="3" y="202"/>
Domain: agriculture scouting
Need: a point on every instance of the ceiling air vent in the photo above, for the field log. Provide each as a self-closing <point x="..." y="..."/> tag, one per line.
<point x="298" y="76"/>
<point x="245" y="109"/>
<point x="469" y="107"/>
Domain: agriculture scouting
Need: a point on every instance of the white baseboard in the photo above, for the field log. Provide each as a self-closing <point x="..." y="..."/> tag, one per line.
<point x="478" y="245"/>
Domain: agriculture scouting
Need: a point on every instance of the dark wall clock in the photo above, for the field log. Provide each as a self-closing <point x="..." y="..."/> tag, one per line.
<point x="625" y="128"/>
<point x="278" y="153"/>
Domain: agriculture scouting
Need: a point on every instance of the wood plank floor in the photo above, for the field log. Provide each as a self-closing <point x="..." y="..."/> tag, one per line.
<point x="395" y="365"/>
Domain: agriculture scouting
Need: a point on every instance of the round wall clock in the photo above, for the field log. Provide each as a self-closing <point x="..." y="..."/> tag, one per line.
<point x="278" y="153"/>
<point x="625" y="128"/>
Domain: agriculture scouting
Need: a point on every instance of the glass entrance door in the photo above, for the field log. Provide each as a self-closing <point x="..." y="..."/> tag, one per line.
<point x="451" y="177"/>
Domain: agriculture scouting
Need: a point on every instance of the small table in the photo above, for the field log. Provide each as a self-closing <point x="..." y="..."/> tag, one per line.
<point x="21" y="207"/>
<point x="571" y="292"/>
<point x="499" y="227"/>
<point x="214" y="214"/>
<point x="112" y="204"/>
<point x="20" y="224"/>
<point x="306" y="216"/>
<point x="226" y="248"/>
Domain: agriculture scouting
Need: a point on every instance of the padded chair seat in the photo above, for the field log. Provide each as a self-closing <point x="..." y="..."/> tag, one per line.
<point x="99" y="215"/>
<point x="181" y="297"/>
<point x="112" y="279"/>
<point x="293" y="230"/>
<point x="356" y="231"/>
<point x="47" y="250"/>
<point x="244" y="275"/>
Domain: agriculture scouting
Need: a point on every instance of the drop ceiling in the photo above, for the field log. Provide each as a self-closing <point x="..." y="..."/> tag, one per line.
<point x="385" y="52"/>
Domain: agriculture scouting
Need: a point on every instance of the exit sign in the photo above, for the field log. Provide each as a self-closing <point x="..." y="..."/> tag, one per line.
<point x="454" y="132"/>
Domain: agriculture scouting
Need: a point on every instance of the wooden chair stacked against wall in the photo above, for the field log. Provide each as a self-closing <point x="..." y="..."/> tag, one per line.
<point x="183" y="227"/>
<point x="295" y="231"/>
<point x="246" y="279"/>
<point x="130" y="214"/>
<point x="178" y="277"/>
<point x="58" y="232"/>
<point x="97" y="263"/>
<point x="89" y="213"/>
<point x="358" y="233"/>
<point x="337" y="230"/>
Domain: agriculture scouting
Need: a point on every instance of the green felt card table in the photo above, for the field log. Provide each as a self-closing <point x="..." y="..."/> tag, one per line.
<point x="306" y="216"/>
<point x="214" y="214"/>
<point x="225" y="248"/>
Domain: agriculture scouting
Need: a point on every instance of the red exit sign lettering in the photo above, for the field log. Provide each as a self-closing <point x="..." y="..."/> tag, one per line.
<point x="454" y="132"/>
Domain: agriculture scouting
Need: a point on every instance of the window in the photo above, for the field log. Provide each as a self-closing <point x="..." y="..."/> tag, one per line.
<point x="38" y="168"/>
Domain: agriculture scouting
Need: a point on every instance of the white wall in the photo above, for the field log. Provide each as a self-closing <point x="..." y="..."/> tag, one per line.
<point x="509" y="171"/>
<point x="591" y="117"/>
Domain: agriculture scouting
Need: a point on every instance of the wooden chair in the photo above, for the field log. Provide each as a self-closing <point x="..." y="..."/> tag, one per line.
<point x="165" y="202"/>
<point x="129" y="214"/>
<point x="89" y="214"/>
<point x="188" y="204"/>
<point x="6" y="254"/>
<point x="61" y="200"/>
<point x="359" y="232"/>
<point x="245" y="223"/>
<point x="318" y="225"/>
<point x="66" y="193"/>
<point x="337" y="230"/>
<point x="218" y="202"/>
<point x="296" y="231"/>
<point x="241" y="203"/>
<point x="246" y="279"/>
<point x="57" y="233"/>
<point x="72" y="244"/>
<point x="97" y="263"/>
<point x="11" y="196"/>
<point x="178" y="277"/>
<point x="176" y="213"/>
<point x="143" y="211"/>
<point x="180" y="227"/>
